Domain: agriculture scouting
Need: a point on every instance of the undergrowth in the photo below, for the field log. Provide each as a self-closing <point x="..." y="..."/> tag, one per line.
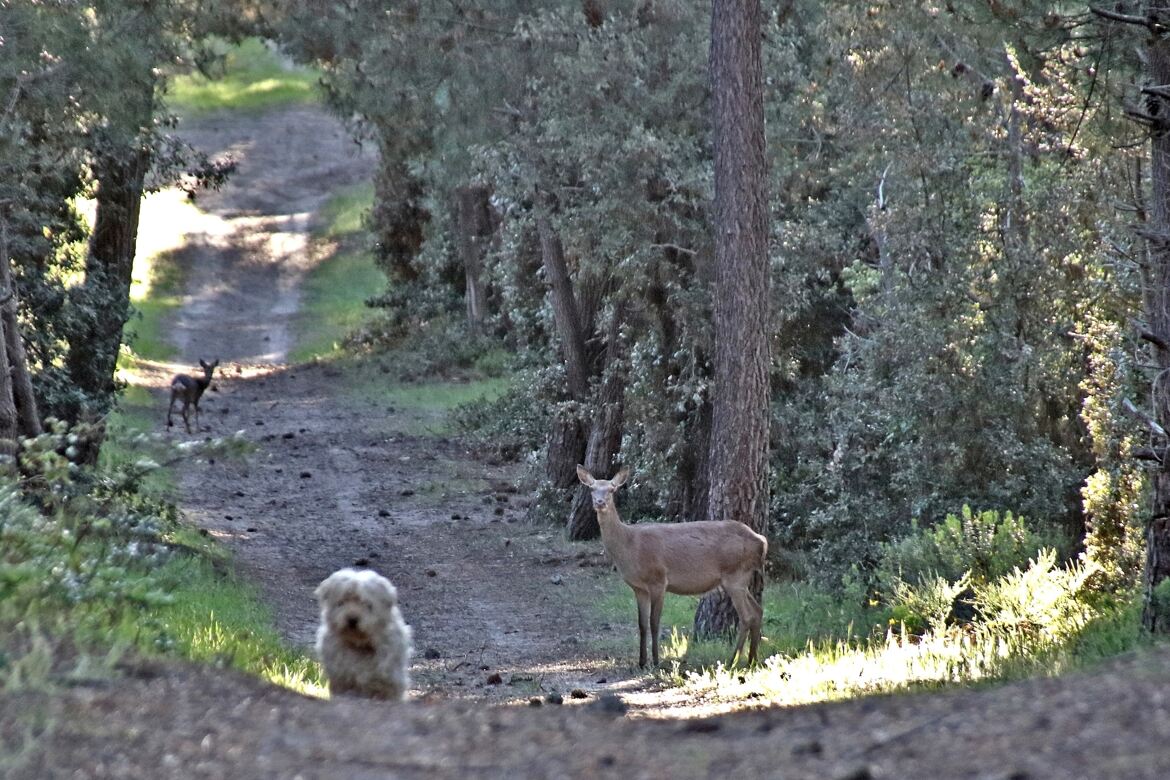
<point x="1010" y="620"/>
<point x="96" y="566"/>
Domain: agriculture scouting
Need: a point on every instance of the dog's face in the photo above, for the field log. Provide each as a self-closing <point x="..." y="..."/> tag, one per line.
<point x="356" y="606"/>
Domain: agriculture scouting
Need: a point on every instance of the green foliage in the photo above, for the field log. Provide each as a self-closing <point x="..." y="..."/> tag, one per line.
<point x="982" y="545"/>
<point x="1042" y="605"/>
<point x="512" y="425"/>
<point x="93" y="565"/>
<point x="1159" y="602"/>
<point x="1039" y="618"/>
<point x="1114" y="495"/>
<point x="247" y="76"/>
<point x="927" y="604"/>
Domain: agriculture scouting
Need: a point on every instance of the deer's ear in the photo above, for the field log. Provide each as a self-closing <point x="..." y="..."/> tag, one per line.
<point x="620" y="478"/>
<point x="585" y="477"/>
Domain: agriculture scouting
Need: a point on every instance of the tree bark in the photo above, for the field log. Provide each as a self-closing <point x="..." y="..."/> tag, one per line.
<point x="740" y="416"/>
<point x="28" y="418"/>
<point x="566" y="312"/>
<point x="1156" y="295"/>
<point x="567" y="439"/>
<point x="93" y="350"/>
<point x="8" y="418"/>
<point x="474" y="228"/>
<point x="605" y="434"/>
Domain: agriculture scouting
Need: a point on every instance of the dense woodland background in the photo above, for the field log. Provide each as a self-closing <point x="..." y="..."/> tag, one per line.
<point x="965" y="227"/>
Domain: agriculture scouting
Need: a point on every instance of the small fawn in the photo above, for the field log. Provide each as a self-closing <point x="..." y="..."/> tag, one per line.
<point x="189" y="389"/>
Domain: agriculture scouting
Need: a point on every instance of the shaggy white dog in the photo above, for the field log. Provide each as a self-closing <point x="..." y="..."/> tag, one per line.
<point x="362" y="641"/>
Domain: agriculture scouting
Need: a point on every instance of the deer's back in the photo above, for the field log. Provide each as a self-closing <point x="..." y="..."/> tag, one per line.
<point x="693" y="557"/>
<point x="184" y="385"/>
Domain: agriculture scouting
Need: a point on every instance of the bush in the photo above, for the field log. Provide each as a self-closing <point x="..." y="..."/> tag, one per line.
<point x="986" y="545"/>
<point x="927" y="606"/>
<point x="512" y="426"/>
<point x="1042" y="603"/>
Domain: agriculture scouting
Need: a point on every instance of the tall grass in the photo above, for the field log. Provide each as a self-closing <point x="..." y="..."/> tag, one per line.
<point x="334" y="293"/>
<point x="252" y="76"/>
<point x="819" y="646"/>
<point x="215" y="618"/>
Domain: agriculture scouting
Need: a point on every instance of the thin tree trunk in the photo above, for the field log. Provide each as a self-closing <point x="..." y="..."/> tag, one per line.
<point x="28" y="419"/>
<point x="474" y="228"/>
<point x="740" y="415"/>
<point x="565" y="310"/>
<point x="8" y="417"/>
<point x="1157" y="311"/>
<point x="568" y="437"/>
<point x="605" y="435"/>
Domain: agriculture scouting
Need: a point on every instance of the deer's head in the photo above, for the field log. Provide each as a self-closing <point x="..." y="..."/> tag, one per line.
<point x="602" y="489"/>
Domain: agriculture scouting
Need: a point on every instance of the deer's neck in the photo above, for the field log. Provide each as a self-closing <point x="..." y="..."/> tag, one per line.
<point x="614" y="533"/>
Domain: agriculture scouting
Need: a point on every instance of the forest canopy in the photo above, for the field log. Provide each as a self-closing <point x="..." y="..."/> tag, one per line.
<point x="959" y="202"/>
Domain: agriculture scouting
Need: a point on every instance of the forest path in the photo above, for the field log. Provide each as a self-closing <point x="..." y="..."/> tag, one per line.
<point x="342" y="477"/>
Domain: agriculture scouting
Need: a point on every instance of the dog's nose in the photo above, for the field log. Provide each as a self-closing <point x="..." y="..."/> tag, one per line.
<point x="351" y="622"/>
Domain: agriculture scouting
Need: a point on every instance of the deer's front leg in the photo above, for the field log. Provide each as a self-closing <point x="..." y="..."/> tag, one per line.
<point x="643" y="599"/>
<point x="656" y="598"/>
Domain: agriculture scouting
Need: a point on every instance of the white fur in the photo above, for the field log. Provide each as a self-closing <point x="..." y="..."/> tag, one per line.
<point x="362" y="641"/>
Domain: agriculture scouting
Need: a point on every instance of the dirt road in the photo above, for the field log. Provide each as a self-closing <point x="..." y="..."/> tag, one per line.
<point x="342" y="476"/>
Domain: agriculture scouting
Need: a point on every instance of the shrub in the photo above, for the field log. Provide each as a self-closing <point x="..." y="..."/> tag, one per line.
<point x="1041" y="604"/>
<point x="927" y="605"/>
<point x="987" y="545"/>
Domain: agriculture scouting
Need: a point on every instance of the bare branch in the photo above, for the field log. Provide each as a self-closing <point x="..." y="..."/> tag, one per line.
<point x="1157" y="429"/>
<point x="1150" y="22"/>
<point x="1155" y="339"/>
<point x="676" y="248"/>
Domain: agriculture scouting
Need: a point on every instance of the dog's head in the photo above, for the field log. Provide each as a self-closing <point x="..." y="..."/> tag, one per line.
<point x="356" y="605"/>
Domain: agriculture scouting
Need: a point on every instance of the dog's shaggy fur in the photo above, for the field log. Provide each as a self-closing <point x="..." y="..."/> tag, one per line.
<point x="362" y="641"/>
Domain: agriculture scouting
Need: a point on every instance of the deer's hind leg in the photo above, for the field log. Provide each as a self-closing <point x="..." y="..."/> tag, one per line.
<point x="751" y="619"/>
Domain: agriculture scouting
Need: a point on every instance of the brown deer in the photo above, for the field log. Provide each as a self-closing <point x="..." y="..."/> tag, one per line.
<point x="189" y="389"/>
<point x="684" y="558"/>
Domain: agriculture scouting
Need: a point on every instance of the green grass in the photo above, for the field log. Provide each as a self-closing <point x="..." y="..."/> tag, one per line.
<point x="343" y="215"/>
<point x="334" y="295"/>
<point x="817" y="649"/>
<point x="252" y="77"/>
<point x="333" y="304"/>
<point x="335" y="291"/>
<point x="795" y="614"/>
<point x="214" y="618"/>
<point x="155" y="299"/>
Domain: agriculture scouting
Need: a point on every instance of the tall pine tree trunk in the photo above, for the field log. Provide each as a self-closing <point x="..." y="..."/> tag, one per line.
<point x="739" y="434"/>
<point x="1157" y="315"/>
